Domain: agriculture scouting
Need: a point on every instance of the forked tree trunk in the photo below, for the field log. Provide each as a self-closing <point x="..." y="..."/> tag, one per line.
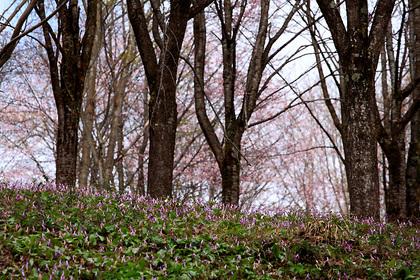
<point x="358" y="46"/>
<point x="228" y="151"/>
<point x="392" y="137"/>
<point x="161" y="76"/>
<point x="392" y="133"/>
<point x="68" y="81"/>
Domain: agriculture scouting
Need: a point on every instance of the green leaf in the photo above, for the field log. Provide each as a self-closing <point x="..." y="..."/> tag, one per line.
<point x="142" y="264"/>
<point x="124" y="230"/>
<point x="391" y="264"/>
<point x="92" y="239"/>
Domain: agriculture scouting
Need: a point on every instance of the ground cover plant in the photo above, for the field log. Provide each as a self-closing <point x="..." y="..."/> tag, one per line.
<point x="63" y="233"/>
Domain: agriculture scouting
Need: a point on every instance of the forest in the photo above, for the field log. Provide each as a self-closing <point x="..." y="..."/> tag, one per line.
<point x="257" y="104"/>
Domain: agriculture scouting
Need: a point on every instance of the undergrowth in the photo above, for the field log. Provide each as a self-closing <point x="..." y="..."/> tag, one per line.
<point x="64" y="233"/>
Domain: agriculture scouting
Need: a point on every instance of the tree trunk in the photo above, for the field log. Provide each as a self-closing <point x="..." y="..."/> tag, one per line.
<point x="68" y="86"/>
<point x="360" y="149"/>
<point x="163" y="120"/>
<point x="120" y="147"/>
<point x="413" y="169"/>
<point x="90" y="91"/>
<point x="141" y="189"/>
<point x="66" y="146"/>
<point x="86" y="160"/>
<point x="358" y="44"/>
<point x="228" y="152"/>
<point x="161" y="78"/>
<point x="395" y="192"/>
<point x="230" y="170"/>
<point x="413" y="158"/>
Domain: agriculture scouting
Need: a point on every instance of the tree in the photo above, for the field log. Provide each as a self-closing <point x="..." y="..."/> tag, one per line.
<point x="228" y="152"/>
<point x="358" y="44"/>
<point x="89" y="99"/>
<point x="68" y="63"/>
<point x="413" y="157"/>
<point x="396" y="117"/>
<point x="161" y="76"/>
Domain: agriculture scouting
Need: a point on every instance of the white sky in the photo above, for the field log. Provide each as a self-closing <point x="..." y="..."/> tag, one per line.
<point x="3" y="5"/>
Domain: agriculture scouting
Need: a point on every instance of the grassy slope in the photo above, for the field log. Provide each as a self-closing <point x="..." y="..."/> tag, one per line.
<point x="47" y="233"/>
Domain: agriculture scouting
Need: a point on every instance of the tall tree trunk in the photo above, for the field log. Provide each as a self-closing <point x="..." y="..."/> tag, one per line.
<point x="66" y="147"/>
<point x="163" y="120"/>
<point x="119" y="92"/>
<point x="393" y="143"/>
<point x="360" y="147"/>
<point x="358" y="45"/>
<point x="392" y="133"/>
<point x="413" y="158"/>
<point x="90" y="91"/>
<point x="120" y="147"/>
<point x="413" y="169"/>
<point x="228" y="152"/>
<point x="68" y="80"/>
<point x="161" y="77"/>
<point x="86" y="160"/>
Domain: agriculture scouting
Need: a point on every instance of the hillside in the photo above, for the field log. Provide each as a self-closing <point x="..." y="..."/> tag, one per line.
<point x="50" y="233"/>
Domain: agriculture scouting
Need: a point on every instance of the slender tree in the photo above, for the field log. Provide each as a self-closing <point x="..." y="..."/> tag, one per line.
<point x="69" y="56"/>
<point x="89" y="104"/>
<point x="228" y="152"/>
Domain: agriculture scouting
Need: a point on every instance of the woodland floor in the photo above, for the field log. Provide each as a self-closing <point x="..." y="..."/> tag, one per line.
<point x="50" y="233"/>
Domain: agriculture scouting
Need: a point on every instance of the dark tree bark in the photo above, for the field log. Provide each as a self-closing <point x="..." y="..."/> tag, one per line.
<point x="228" y="152"/>
<point x="161" y="77"/>
<point x="392" y="138"/>
<point x="68" y="78"/>
<point x="392" y="131"/>
<point x="358" y="49"/>
<point x="413" y="158"/>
